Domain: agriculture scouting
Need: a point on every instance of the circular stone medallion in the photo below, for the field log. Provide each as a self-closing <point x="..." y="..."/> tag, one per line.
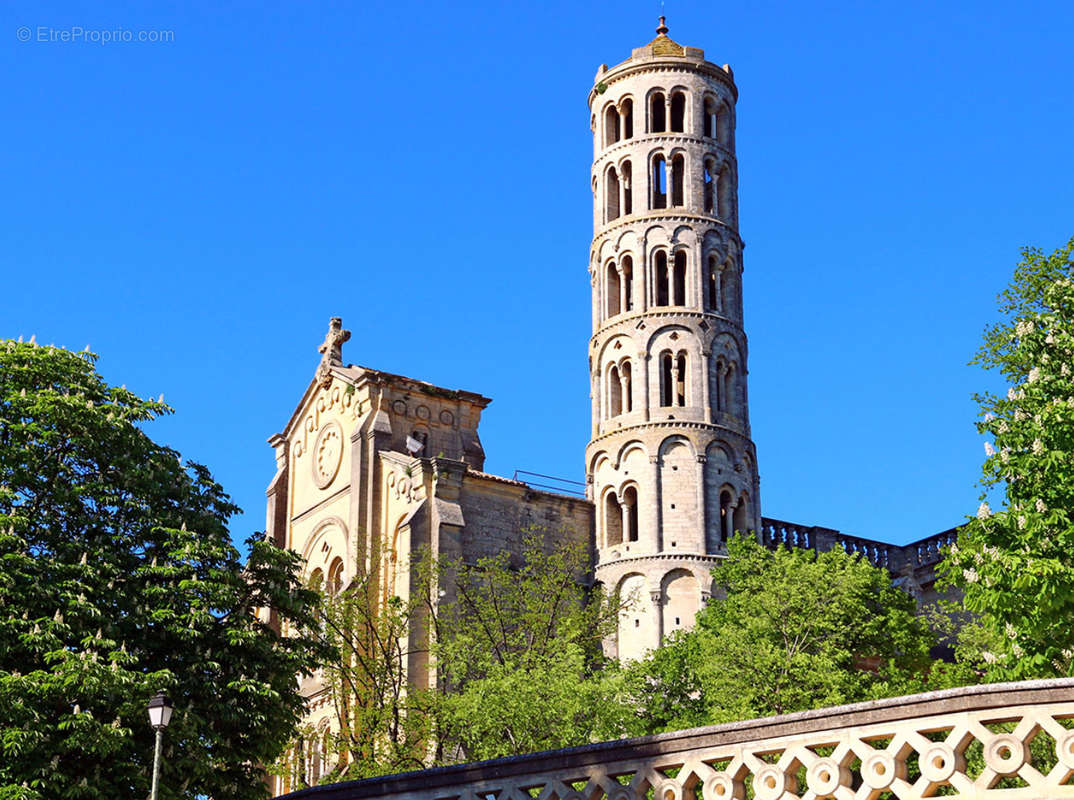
<point x="327" y="453"/>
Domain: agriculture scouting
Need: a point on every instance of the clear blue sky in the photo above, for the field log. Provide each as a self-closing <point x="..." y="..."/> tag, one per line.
<point x="196" y="210"/>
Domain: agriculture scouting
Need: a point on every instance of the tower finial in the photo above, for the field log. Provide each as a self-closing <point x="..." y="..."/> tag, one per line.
<point x="661" y="28"/>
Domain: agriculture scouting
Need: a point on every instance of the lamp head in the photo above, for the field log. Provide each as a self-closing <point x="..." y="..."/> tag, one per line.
<point x="160" y="711"/>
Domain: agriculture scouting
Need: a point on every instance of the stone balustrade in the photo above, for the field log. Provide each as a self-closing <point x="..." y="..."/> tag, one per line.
<point x="922" y="553"/>
<point x="1004" y="741"/>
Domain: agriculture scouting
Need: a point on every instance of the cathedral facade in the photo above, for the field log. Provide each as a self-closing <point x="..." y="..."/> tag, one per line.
<point x="373" y="467"/>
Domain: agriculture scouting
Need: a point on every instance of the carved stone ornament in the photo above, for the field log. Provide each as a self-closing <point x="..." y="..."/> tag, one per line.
<point x="327" y="454"/>
<point x="331" y="350"/>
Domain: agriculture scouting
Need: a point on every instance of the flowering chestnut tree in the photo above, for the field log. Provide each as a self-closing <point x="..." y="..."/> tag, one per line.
<point x="1015" y="566"/>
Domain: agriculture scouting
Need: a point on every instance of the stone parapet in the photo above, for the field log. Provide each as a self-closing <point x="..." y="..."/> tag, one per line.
<point x="906" y="747"/>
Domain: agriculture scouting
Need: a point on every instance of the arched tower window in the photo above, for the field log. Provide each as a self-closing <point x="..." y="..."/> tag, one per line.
<point x="680" y="379"/>
<point x="627" y="114"/>
<point x="726" y="510"/>
<point x="611" y="195"/>
<point x="627" y="268"/>
<point x="666" y="379"/>
<point x="715" y="293"/>
<point x="678" y="112"/>
<point x="612" y="290"/>
<point x="723" y="195"/>
<point x="740" y="520"/>
<point x="659" y="183"/>
<point x="732" y="288"/>
<point x="709" y="127"/>
<point x="657" y="113"/>
<point x="678" y="176"/>
<point x="611" y="126"/>
<point x="615" y="392"/>
<point x="613" y="520"/>
<point x="729" y="388"/>
<point x="723" y="126"/>
<point x="660" y="274"/>
<point x="627" y="379"/>
<point x="679" y="282"/>
<point x="628" y="203"/>
<point x="630" y="514"/>
<point x="710" y="186"/>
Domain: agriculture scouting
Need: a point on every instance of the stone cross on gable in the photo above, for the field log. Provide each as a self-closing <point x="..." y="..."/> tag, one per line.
<point x="332" y="349"/>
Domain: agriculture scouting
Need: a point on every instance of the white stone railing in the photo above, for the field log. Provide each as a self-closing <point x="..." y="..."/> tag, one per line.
<point x="1004" y="741"/>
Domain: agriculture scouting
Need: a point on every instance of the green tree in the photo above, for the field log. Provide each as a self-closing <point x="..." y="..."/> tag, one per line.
<point x="1015" y="567"/>
<point x="381" y="723"/>
<point x="519" y="649"/>
<point x="796" y="630"/>
<point x="117" y="579"/>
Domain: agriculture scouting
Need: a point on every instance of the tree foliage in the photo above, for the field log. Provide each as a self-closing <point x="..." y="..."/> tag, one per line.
<point x="118" y="579"/>
<point x="519" y="648"/>
<point x="1015" y="566"/>
<point x="796" y="630"/>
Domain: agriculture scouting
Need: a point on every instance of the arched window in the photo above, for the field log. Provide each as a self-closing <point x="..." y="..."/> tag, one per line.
<point x="680" y="379"/>
<point x="628" y="203"/>
<point x="627" y="266"/>
<point x="316" y="581"/>
<point x="611" y="126"/>
<point x="615" y="392"/>
<point x="657" y="113"/>
<point x="660" y="183"/>
<point x="729" y="388"/>
<point x="726" y="522"/>
<point x="612" y="290"/>
<point x="613" y="521"/>
<point x="715" y="289"/>
<point x="741" y="523"/>
<point x="678" y="173"/>
<point x="723" y="126"/>
<point x="710" y="186"/>
<point x="719" y="394"/>
<point x="679" y="282"/>
<point x="335" y="577"/>
<point x="630" y="515"/>
<point x="626" y="376"/>
<point x="627" y="114"/>
<point x="678" y="112"/>
<point x="731" y="296"/>
<point x="723" y="195"/>
<point x="660" y="274"/>
<point x="666" y="385"/>
<point x="611" y="195"/>
<point x="709" y="128"/>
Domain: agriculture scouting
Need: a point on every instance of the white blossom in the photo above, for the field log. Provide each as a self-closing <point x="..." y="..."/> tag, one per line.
<point x="1038" y="447"/>
<point x="1011" y="632"/>
<point x="1003" y="427"/>
<point x="1019" y="415"/>
<point x="1021" y="521"/>
<point x="989" y="417"/>
<point x="989" y="450"/>
<point x="1049" y="339"/>
<point x="1041" y="508"/>
<point x="1034" y="375"/>
<point x="1010" y="393"/>
<point x="1017" y="650"/>
<point x="1024" y="327"/>
<point x="1064" y="370"/>
<point x="983" y="511"/>
<point x="970" y="575"/>
<point x="989" y="657"/>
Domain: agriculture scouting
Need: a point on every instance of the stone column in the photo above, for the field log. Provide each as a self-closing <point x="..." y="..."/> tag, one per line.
<point x="627" y="531"/>
<point x="624" y="389"/>
<point x="651" y="525"/>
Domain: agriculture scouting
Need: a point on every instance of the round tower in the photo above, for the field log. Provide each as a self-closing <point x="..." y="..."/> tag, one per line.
<point x="670" y="467"/>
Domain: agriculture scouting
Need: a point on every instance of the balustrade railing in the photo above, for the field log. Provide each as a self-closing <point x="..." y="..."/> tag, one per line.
<point x="1005" y="741"/>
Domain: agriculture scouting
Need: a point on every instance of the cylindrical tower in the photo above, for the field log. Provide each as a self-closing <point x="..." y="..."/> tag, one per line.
<point x="670" y="467"/>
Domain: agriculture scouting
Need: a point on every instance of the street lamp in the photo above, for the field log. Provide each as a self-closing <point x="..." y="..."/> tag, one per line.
<point x="160" y="714"/>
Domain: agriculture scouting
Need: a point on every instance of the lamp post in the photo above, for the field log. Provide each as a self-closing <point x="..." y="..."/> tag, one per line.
<point x="160" y="714"/>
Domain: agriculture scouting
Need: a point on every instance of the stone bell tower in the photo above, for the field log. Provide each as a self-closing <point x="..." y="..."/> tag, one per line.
<point x="670" y="467"/>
